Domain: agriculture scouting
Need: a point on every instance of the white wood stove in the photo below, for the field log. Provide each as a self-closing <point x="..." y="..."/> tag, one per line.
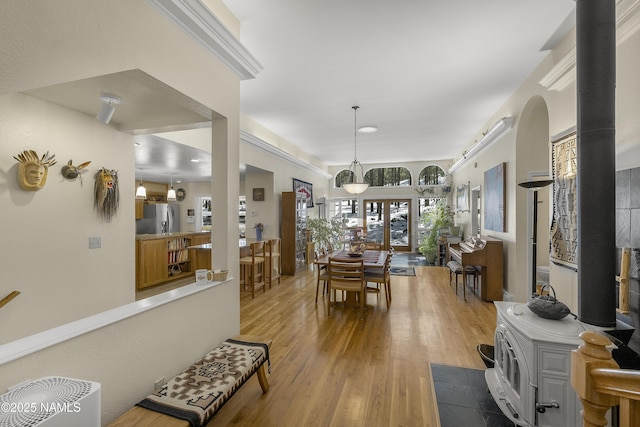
<point x="531" y="381"/>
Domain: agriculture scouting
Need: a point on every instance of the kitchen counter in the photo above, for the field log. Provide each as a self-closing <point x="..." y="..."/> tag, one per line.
<point x="169" y="235"/>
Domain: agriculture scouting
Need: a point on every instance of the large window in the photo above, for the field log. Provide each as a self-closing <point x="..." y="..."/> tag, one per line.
<point x="388" y="177"/>
<point x="432" y="175"/>
<point x="345" y="176"/>
<point x="347" y="210"/>
<point x="378" y="177"/>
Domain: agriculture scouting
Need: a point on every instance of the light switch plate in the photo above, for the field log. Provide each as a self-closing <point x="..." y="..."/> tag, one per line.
<point x="95" y="242"/>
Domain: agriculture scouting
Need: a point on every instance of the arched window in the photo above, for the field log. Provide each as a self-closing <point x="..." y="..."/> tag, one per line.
<point x="345" y="176"/>
<point x="388" y="177"/>
<point x="432" y="175"/>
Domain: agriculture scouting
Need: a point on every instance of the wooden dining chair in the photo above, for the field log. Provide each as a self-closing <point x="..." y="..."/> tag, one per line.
<point x="322" y="274"/>
<point x="381" y="276"/>
<point x="273" y="261"/>
<point x="253" y="269"/>
<point x="346" y="275"/>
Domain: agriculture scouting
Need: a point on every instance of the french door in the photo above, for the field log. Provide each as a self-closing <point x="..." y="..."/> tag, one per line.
<point x="388" y="221"/>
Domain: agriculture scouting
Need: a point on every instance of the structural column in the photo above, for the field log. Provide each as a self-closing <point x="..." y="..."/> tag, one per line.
<point x="596" y="72"/>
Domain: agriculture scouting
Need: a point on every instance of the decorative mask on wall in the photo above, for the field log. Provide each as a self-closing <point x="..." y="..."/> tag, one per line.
<point x="33" y="170"/>
<point x="71" y="172"/>
<point x="106" y="193"/>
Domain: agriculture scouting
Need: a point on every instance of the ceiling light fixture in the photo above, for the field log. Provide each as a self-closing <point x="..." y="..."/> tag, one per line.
<point x="367" y="129"/>
<point x="141" y="192"/>
<point x="355" y="186"/>
<point x="108" y="107"/>
<point x="171" y="194"/>
<point x="500" y="128"/>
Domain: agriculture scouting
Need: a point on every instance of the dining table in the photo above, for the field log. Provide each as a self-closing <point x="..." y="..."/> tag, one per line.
<point x="373" y="259"/>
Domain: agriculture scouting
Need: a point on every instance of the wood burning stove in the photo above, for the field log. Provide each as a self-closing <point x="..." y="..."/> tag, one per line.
<point x="531" y="381"/>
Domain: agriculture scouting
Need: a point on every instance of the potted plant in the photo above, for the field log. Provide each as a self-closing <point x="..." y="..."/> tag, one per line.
<point x="325" y="233"/>
<point x="440" y="216"/>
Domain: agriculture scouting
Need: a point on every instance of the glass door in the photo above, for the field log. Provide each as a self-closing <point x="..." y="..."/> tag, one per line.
<point x="388" y="222"/>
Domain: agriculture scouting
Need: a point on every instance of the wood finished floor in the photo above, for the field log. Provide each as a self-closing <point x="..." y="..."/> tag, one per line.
<point x="345" y="371"/>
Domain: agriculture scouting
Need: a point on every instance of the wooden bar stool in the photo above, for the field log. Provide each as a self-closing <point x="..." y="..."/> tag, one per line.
<point x="273" y="261"/>
<point x="253" y="269"/>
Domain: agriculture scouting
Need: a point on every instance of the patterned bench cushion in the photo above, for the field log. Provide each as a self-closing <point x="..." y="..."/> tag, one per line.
<point x="199" y="392"/>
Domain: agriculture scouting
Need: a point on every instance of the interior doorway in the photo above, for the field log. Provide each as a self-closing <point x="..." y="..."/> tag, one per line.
<point x="388" y="222"/>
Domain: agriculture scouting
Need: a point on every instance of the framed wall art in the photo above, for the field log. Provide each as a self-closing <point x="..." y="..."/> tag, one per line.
<point x="258" y="194"/>
<point x="564" y="224"/>
<point x="304" y="188"/>
<point x="462" y="198"/>
<point x="494" y="198"/>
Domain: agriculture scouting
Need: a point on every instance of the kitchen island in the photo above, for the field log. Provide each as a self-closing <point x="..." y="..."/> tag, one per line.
<point x="161" y="258"/>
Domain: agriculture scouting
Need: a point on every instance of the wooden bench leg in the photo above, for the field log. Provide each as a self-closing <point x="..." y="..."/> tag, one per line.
<point x="262" y="379"/>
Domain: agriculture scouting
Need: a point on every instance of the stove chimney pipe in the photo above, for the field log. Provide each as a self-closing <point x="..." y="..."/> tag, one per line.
<point x="596" y="73"/>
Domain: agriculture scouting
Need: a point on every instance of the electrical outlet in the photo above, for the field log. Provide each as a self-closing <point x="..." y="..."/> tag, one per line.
<point x="95" y="242"/>
<point x="159" y="383"/>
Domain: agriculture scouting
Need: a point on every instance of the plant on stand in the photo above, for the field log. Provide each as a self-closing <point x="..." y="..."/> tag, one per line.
<point x="325" y="234"/>
<point x="440" y="216"/>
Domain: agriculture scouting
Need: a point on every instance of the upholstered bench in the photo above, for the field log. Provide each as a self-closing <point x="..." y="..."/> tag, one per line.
<point x="193" y="397"/>
<point x="456" y="268"/>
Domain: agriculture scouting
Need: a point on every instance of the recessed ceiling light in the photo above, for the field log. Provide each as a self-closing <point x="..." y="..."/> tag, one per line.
<point x="368" y="129"/>
<point x="195" y="160"/>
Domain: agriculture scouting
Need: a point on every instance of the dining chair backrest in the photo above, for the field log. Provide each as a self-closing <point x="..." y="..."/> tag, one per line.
<point x="346" y="274"/>
<point x="373" y="246"/>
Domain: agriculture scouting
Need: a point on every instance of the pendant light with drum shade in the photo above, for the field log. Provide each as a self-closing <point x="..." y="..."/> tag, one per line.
<point x="355" y="186"/>
<point x="171" y="194"/>
<point x="141" y="192"/>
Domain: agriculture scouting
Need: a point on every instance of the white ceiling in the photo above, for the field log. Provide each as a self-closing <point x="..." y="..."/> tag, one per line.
<point x="429" y="74"/>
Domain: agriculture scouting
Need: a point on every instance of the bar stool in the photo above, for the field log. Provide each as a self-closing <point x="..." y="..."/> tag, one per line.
<point x="273" y="260"/>
<point x="253" y="269"/>
<point x="456" y="268"/>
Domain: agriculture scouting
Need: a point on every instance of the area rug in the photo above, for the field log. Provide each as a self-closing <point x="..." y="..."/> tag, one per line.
<point x="403" y="271"/>
<point x="463" y="398"/>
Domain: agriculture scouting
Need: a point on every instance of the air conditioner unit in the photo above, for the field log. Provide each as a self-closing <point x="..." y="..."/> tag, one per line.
<point x="51" y="402"/>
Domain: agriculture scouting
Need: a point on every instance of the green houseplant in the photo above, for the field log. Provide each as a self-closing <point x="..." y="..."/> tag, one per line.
<point x="325" y="233"/>
<point x="440" y="216"/>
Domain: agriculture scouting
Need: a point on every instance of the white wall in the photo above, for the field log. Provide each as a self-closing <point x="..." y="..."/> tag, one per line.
<point x="561" y="106"/>
<point x="49" y="42"/>
<point x="48" y="258"/>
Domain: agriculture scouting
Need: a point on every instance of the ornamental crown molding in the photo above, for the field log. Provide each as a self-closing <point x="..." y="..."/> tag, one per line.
<point x="197" y="21"/>
<point x="627" y="24"/>
<point x="254" y="141"/>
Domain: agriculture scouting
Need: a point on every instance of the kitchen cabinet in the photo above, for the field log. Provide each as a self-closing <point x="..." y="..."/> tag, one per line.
<point x="156" y="192"/>
<point x="293" y="232"/>
<point x="160" y="259"/>
<point x="151" y="262"/>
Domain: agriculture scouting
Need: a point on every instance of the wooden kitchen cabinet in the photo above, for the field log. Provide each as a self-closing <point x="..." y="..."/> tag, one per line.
<point x="200" y="239"/>
<point x="162" y="259"/>
<point x="151" y="262"/>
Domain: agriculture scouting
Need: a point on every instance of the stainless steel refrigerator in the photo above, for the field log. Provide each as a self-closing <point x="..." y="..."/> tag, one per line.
<point x="159" y="218"/>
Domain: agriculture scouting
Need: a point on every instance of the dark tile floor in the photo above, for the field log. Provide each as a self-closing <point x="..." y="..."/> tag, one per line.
<point x="464" y="400"/>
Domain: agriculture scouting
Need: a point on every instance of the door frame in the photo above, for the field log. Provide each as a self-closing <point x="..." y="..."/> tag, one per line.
<point x="387" y="219"/>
